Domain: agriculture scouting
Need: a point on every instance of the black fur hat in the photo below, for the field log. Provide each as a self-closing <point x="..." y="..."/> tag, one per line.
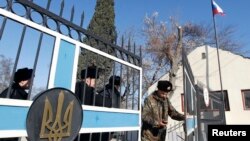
<point x="116" y="80"/>
<point x="165" y="86"/>
<point x="23" y="74"/>
<point x="91" y="73"/>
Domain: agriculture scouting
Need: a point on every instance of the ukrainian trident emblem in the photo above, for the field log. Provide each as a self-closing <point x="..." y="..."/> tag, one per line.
<point x="59" y="128"/>
<point x="59" y="120"/>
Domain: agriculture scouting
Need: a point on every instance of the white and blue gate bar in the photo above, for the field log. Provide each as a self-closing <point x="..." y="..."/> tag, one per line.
<point x="13" y="118"/>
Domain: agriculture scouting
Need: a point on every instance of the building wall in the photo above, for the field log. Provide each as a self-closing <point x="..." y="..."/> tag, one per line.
<point x="235" y="71"/>
<point x="235" y="77"/>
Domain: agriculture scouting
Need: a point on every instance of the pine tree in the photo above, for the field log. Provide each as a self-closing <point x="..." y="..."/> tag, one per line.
<point x="103" y="25"/>
<point x="103" y="21"/>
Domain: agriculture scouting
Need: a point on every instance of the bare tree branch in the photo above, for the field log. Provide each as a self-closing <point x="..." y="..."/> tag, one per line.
<point x="164" y="43"/>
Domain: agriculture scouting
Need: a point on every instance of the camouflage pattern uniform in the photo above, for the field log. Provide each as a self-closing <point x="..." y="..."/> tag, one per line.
<point x="156" y="109"/>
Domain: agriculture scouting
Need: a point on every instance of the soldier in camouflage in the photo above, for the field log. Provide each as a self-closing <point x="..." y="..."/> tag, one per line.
<point x="156" y="110"/>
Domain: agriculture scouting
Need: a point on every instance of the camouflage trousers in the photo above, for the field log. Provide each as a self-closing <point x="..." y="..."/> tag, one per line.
<point x="147" y="135"/>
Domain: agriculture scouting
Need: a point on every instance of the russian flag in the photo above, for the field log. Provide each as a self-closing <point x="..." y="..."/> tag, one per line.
<point x="216" y="9"/>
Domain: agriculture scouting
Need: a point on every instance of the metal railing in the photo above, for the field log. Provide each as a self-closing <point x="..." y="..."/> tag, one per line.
<point x="53" y="31"/>
<point x="175" y="132"/>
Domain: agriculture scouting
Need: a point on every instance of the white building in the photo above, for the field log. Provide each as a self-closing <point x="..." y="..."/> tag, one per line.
<point x="235" y="71"/>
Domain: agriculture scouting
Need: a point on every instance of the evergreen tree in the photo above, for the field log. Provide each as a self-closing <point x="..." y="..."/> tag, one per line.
<point x="103" y="25"/>
<point x="103" y="21"/>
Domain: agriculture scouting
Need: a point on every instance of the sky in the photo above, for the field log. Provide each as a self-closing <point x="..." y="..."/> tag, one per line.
<point x="129" y="14"/>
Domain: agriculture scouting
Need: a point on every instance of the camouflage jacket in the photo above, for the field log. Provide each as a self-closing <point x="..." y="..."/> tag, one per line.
<point x="156" y="109"/>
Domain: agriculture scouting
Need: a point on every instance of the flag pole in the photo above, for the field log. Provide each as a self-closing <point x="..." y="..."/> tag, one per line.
<point x="218" y="58"/>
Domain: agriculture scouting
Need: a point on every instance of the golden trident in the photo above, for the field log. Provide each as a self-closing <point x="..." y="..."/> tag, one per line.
<point x="55" y="131"/>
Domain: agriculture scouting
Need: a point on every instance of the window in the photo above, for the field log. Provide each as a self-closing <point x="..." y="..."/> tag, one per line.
<point x="246" y="99"/>
<point x="203" y="55"/>
<point x="213" y="104"/>
<point x="226" y="101"/>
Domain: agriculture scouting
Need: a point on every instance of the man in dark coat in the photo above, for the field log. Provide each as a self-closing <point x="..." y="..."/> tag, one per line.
<point x="157" y="107"/>
<point x="21" y="82"/>
<point x="84" y="90"/>
<point x="110" y="96"/>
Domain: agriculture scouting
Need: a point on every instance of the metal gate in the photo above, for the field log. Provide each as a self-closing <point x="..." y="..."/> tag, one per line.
<point x="199" y="116"/>
<point x="32" y="36"/>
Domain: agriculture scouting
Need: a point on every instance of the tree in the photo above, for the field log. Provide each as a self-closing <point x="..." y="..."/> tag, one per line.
<point x="103" y="21"/>
<point x="200" y="34"/>
<point x="164" y="45"/>
<point x="102" y="25"/>
<point x="6" y="65"/>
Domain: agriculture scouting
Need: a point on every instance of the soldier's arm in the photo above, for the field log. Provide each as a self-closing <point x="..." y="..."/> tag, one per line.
<point x="173" y="113"/>
<point x="78" y="91"/>
<point x="148" y="114"/>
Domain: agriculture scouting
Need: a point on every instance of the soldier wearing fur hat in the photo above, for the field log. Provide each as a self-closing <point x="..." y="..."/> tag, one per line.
<point x="110" y="95"/>
<point x="84" y="89"/>
<point x="157" y="108"/>
<point x="21" y="82"/>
